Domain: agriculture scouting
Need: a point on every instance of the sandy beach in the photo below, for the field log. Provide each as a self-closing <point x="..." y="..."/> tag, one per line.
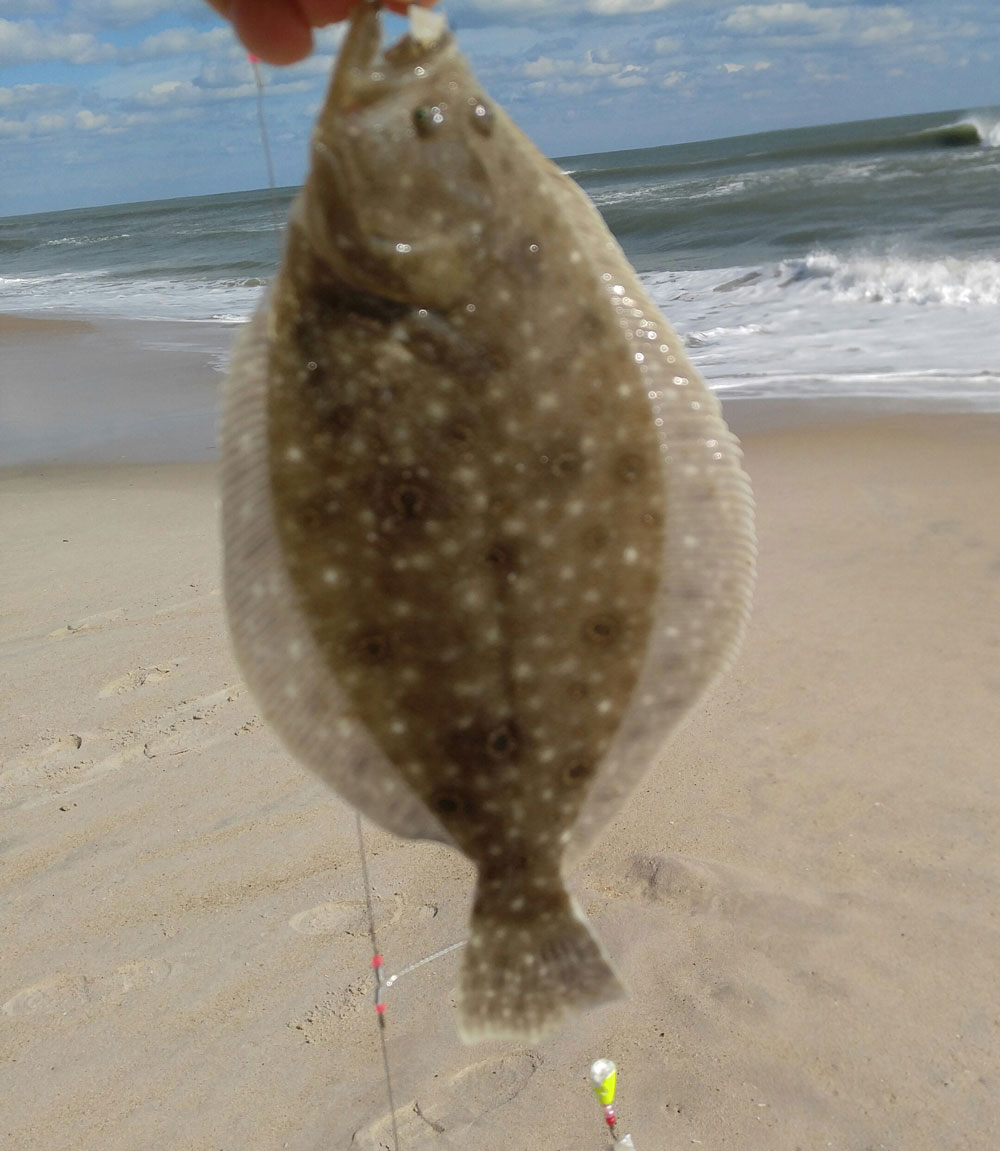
<point x="802" y="897"/>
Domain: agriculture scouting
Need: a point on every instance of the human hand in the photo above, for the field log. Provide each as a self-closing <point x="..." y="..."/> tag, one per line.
<point x="280" y="31"/>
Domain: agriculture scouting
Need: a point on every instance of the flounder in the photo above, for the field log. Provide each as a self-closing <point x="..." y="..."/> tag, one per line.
<point x="487" y="538"/>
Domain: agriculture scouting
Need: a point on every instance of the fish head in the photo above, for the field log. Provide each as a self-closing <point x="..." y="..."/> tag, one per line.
<point x="404" y="167"/>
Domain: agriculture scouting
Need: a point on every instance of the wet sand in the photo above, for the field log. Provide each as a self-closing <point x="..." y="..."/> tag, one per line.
<point x="41" y="326"/>
<point x="801" y="897"/>
<point x="101" y="390"/>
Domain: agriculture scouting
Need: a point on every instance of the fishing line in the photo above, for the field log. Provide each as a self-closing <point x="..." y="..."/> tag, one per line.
<point x="377" y="968"/>
<point x="420" y="962"/>
<point x="266" y="144"/>
<point x="381" y="983"/>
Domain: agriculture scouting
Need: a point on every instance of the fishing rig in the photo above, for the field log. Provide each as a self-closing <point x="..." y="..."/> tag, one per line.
<point x="603" y="1073"/>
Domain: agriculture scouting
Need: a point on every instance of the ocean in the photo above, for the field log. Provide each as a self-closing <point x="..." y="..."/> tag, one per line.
<point x="856" y="260"/>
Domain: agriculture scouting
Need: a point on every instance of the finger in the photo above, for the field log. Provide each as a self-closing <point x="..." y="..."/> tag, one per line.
<point x="274" y="30"/>
<point x="401" y="6"/>
<point x="319" y="13"/>
<point x="322" y="12"/>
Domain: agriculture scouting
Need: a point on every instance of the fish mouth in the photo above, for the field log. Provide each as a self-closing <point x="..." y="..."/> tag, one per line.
<point x="364" y="73"/>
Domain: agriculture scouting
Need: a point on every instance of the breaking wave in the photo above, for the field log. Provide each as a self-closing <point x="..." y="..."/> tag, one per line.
<point x="895" y="280"/>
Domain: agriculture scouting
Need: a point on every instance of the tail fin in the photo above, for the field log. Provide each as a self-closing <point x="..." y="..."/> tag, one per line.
<point x="524" y="974"/>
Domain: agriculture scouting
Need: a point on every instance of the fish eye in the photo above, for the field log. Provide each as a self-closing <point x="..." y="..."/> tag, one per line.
<point x="483" y="117"/>
<point x="427" y="119"/>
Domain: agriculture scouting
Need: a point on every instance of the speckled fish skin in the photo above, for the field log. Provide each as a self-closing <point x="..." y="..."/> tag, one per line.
<point x="487" y="538"/>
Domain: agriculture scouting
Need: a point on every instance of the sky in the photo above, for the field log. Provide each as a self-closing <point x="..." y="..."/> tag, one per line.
<point x="113" y="101"/>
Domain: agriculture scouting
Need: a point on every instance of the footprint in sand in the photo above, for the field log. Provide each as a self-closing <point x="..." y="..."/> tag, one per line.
<point x="69" y="993"/>
<point x="443" y="1119"/>
<point x="52" y="996"/>
<point x="137" y="678"/>
<point x="708" y="888"/>
<point x="89" y="623"/>
<point x="182" y="728"/>
<point x="75" y="761"/>
<point x="66" y="746"/>
<point x="58" y="756"/>
<point x="345" y="915"/>
<point x="686" y="883"/>
<point x="205" y="705"/>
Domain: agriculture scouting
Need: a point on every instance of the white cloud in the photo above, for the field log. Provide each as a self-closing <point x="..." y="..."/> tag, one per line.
<point x="43" y="95"/>
<point x="228" y="72"/>
<point x="887" y="25"/>
<point x="666" y="45"/>
<point x="626" y="7"/>
<point x="629" y="77"/>
<point x="162" y="93"/>
<point x="47" y="124"/>
<point x="546" y="66"/>
<point x="794" y="20"/>
<point x="672" y="79"/>
<point x="569" y="12"/>
<point x="178" y="93"/>
<point x="596" y="63"/>
<point x="181" y="42"/>
<point x="23" y="42"/>
<point x="124" y="13"/>
<point x="13" y="129"/>
<point x="157" y="116"/>
<point x="755" y="66"/>
<point x="88" y="121"/>
<point x="781" y="19"/>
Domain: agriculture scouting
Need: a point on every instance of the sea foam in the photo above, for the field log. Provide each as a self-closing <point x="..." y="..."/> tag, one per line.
<point x="950" y="281"/>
